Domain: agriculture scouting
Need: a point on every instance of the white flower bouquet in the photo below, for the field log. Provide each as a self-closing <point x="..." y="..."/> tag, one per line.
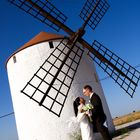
<point x="87" y="108"/>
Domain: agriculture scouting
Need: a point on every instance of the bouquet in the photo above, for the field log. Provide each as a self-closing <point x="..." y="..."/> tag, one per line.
<point x="87" y="108"/>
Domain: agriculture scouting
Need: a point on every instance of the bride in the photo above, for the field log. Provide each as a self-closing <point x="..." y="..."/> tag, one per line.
<point x="82" y="117"/>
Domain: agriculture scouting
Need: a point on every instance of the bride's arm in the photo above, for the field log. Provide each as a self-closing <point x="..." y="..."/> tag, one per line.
<point x="89" y="113"/>
<point x="81" y="114"/>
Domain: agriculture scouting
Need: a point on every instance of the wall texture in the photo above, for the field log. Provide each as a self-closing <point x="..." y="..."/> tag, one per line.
<point x="34" y="122"/>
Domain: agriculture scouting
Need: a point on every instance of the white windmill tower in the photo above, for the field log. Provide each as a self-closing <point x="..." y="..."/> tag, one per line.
<point x="52" y="69"/>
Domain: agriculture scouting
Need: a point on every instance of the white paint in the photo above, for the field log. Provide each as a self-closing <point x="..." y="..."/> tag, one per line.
<point x="34" y="122"/>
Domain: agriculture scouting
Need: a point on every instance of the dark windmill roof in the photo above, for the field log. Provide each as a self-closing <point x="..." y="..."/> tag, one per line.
<point x="41" y="37"/>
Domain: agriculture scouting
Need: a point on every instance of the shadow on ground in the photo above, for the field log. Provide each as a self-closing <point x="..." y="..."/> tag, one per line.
<point x="126" y="129"/>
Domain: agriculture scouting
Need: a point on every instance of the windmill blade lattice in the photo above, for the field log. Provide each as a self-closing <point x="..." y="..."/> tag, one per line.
<point x="98" y="7"/>
<point x="127" y="78"/>
<point x="37" y="88"/>
<point x="93" y="11"/>
<point x="42" y="10"/>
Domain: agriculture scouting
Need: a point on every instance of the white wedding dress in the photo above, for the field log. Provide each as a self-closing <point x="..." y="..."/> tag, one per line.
<point x="85" y="125"/>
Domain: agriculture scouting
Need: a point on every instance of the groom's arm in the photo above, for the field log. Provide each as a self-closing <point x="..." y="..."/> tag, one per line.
<point x="96" y="101"/>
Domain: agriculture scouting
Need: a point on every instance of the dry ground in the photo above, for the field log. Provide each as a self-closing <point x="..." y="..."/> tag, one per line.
<point x="126" y="118"/>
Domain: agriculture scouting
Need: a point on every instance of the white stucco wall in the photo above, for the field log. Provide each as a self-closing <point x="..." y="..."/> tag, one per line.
<point x="34" y="122"/>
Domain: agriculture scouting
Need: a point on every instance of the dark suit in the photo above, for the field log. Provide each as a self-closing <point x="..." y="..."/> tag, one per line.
<point x="99" y="117"/>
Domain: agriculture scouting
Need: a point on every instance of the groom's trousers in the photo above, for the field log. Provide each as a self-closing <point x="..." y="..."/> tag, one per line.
<point x="102" y="129"/>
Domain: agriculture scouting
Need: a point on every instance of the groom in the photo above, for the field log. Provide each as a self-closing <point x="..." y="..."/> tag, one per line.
<point x="98" y="115"/>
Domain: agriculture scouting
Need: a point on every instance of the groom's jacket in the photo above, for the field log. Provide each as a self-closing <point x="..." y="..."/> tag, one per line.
<point x="97" y="111"/>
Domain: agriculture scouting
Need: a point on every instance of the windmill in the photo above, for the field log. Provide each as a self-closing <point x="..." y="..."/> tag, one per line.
<point x="70" y="54"/>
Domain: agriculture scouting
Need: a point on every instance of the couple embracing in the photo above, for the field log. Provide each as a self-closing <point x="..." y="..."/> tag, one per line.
<point x="91" y="119"/>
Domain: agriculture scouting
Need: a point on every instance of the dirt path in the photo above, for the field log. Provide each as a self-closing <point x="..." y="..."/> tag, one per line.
<point x="132" y="134"/>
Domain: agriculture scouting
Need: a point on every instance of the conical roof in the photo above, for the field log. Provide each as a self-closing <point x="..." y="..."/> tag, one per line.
<point x="41" y="37"/>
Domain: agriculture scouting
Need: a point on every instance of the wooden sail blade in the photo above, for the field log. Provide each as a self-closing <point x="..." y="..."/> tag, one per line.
<point x="42" y="10"/>
<point x="120" y="71"/>
<point x="95" y="8"/>
<point x="50" y="85"/>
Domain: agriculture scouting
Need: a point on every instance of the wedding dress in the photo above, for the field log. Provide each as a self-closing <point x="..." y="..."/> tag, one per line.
<point x="85" y="125"/>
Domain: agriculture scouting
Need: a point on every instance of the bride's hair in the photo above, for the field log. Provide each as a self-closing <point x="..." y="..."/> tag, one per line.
<point x="76" y="103"/>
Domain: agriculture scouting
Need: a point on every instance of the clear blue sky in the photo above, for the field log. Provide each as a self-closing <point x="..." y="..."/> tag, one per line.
<point x="119" y="30"/>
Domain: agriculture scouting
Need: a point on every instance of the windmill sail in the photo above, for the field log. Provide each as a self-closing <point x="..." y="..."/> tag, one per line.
<point x="120" y="71"/>
<point x="97" y="9"/>
<point x="93" y="11"/>
<point x="50" y="85"/>
<point x="42" y="10"/>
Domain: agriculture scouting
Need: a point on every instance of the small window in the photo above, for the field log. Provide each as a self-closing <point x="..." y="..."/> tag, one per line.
<point x="14" y="59"/>
<point x="51" y="45"/>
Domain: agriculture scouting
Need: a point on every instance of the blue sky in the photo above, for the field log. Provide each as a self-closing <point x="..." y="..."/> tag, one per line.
<point x="119" y="30"/>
